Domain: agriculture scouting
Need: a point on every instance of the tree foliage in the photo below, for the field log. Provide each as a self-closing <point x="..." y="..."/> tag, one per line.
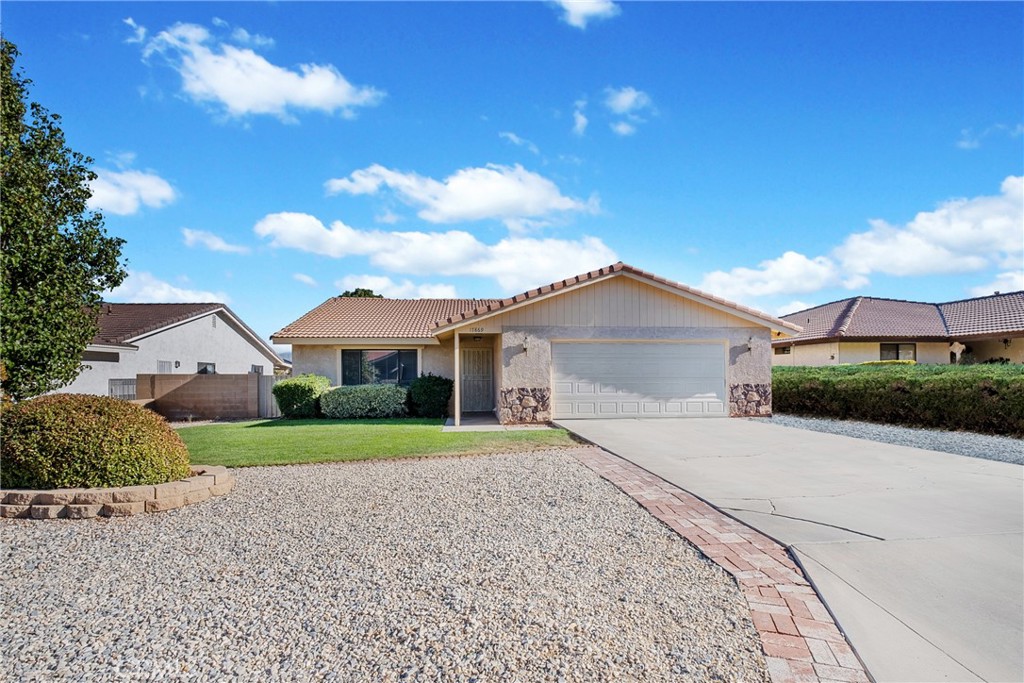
<point x="362" y="293"/>
<point x="55" y="257"/>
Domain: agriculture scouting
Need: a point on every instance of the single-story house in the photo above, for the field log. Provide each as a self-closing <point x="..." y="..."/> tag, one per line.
<point x="866" y="328"/>
<point x="168" y="339"/>
<point x="612" y="343"/>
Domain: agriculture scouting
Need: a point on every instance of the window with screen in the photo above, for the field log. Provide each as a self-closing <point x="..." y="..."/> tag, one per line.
<point x="378" y="366"/>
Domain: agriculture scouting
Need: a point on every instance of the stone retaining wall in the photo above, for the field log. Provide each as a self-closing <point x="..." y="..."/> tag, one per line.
<point x="750" y="400"/>
<point x="525" y="405"/>
<point x="205" y="482"/>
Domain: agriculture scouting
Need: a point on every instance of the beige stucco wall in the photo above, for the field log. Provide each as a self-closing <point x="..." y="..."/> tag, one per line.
<point x="993" y="348"/>
<point x="837" y="353"/>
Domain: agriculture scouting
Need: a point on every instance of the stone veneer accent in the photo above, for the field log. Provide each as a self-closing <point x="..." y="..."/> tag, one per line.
<point x="750" y="399"/>
<point x="205" y="482"/>
<point x="525" y="405"/>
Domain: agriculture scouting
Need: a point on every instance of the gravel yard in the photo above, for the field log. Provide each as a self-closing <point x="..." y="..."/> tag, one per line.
<point x="520" y="567"/>
<point x="1003" y="448"/>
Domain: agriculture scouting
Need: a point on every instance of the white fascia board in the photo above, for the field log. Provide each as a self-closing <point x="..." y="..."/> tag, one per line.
<point x="111" y="347"/>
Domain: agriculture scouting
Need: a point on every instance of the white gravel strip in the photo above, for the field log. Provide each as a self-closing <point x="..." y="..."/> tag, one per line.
<point x="524" y="567"/>
<point x="1003" y="448"/>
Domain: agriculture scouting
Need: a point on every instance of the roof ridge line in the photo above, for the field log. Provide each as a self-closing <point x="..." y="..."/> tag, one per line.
<point x="942" y="317"/>
<point x="844" y="324"/>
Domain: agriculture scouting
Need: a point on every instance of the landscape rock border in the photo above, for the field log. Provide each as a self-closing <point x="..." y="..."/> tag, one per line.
<point x="206" y="482"/>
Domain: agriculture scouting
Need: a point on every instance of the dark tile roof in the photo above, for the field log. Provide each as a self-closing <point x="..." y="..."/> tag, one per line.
<point x="121" y="322"/>
<point x="360" y="317"/>
<point x="874" y="318"/>
<point x="988" y="314"/>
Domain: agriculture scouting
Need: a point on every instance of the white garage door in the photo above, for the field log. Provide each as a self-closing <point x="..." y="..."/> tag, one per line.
<point x="623" y="379"/>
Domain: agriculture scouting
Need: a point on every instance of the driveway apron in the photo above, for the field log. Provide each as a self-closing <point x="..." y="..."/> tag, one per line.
<point x="917" y="553"/>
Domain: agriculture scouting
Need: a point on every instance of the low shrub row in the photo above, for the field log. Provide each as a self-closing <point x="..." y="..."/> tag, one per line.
<point x="979" y="398"/>
<point x="308" y="395"/>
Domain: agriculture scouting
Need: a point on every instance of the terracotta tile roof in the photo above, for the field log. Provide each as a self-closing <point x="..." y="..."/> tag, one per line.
<point x="359" y="317"/>
<point x="619" y="267"/>
<point x="122" y="322"/>
<point x="873" y="318"/>
<point x="985" y="315"/>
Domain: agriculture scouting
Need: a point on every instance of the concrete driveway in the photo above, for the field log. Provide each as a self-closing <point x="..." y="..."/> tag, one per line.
<point x="918" y="554"/>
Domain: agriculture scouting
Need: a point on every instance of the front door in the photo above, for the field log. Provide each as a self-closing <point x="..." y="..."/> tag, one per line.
<point x="477" y="381"/>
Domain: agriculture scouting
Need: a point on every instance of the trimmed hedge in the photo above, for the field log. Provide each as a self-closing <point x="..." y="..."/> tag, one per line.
<point x="299" y="396"/>
<point x="77" y="441"/>
<point x="364" y="401"/>
<point x="429" y="395"/>
<point x="978" y="398"/>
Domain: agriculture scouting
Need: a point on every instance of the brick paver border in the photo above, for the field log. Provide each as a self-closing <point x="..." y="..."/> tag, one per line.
<point x="801" y="641"/>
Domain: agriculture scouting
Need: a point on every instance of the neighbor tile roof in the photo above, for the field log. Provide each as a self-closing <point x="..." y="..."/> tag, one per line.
<point x="359" y="317"/>
<point x="122" y="322"/>
<point x="865" y="317"/>
<point x="619" y="267"/>
<point x="988" y="314"/>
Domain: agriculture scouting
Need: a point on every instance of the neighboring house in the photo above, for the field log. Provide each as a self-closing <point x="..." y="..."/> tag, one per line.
<point x="168" y="339"/>
<point x="615" y="342"/>
<point x="868" y="329"/>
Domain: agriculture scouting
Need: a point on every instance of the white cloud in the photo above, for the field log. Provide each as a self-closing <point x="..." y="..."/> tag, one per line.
<point x="138" y="32"/>
<point x="381" y="284"/>
<point x="508" y="193"/>
<point x="516" y="263"/>
<point x="124" y="192"/>
<point x="518" y="141"/>
<point x="790" y="273"/>
<point x="971" y="140"/>
<point x="579" y="122"/>
<point x="240" y="35"/>
<point x="144" y="288"/>
<point x="626" y="101"/>
<point x="211" y="242"/>
<point x="388" y="217"/>
<point x="579" y="12"/>
<point x="792" y="307"/>
<point x="242" y="82"/>
<point x="961" y="235"/>
<point x="1012" y="281"/>
<point x="304" y="279"/>
<point x="622" y="128"/>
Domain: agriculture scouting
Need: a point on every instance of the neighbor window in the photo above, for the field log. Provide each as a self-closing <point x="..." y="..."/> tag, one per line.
<point x="898" y="352"/>
<point x="122" y="388"/>
<point x="256" y="369"/>
<point x="378" y="367"/>
<point x="783" y="350"/>
<point x="164" y="367"/>
<point x="207" y="369"/>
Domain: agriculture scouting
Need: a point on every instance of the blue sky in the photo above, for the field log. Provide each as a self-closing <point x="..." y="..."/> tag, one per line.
<point x="271" y="155"/>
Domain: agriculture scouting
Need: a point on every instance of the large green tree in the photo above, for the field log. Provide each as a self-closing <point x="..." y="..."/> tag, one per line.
<point x="361" y="293"/>
<point x="55" y="257"/>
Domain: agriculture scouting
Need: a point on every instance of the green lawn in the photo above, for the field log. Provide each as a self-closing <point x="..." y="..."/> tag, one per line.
<point x="289" y="442"/>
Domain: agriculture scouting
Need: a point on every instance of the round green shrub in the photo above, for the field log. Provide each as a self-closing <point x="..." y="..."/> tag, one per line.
<point x="78" y="441"/>
<point x="364" y="401"/>
<point x="429" y="395"/>
<point x="300" y="396"/>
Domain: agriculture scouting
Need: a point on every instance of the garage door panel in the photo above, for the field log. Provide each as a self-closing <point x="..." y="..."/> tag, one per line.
<point x="617" y="379"/>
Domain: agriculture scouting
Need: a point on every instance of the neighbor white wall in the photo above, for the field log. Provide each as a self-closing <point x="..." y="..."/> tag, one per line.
<point x="837" y="353"/>
<point x="199" y="340"/>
